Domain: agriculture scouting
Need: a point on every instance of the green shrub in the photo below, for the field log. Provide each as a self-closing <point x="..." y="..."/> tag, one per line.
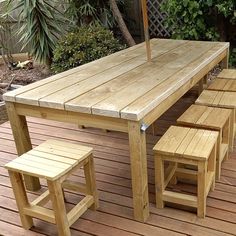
<point x="199" y="20"/>
<point x="83" y="45"/>
<point x="202" y="20"/>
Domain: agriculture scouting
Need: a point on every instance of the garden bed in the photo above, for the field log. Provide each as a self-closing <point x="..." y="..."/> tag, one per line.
<point x="3" y="113"/>
<point x="18" y="78"/>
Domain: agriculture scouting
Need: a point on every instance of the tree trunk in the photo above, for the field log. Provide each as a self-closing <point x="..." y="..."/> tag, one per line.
<point x="124" y="30"/>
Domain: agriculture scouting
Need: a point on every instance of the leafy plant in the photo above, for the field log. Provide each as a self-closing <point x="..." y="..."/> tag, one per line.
<point x="5" y="34"/>
<point x="232" y="58"/>
<point x="192" y="19"/>
<point x="91" y="12"/>
<point x="84" y="45"/>
<point x="201" y="20"/>
<point x="41" y="26"/>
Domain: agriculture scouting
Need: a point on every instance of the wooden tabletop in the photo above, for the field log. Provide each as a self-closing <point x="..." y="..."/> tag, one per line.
<point x="124" y="84"/>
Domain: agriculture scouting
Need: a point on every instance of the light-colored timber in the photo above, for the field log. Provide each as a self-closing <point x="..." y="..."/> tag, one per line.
<point x="122" y="92"/>
<point x="227" y="74"/>
<point x="220" y="99"/>
<point x="211" y="118"/>
<point x="223" y="85"/>
<point x="53" y="171"/>
<point x="186" y="146"/>
<point x="115" y="214"/>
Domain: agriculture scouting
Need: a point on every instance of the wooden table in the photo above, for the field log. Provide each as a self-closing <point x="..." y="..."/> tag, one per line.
<point x="120" y="92"/>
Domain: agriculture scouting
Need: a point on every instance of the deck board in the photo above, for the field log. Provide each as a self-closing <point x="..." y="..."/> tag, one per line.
<point x="112" y="164"/>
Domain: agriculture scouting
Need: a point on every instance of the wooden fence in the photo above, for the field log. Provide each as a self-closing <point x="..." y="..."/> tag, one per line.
<point x="156" y="19"/>
<point x="156" y="23"/>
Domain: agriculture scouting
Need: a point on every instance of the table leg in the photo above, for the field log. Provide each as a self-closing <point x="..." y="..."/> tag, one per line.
<point x="225" y="61"/>
<point x="138" y="161"/>
<point x="22" y="141"/>
<point x="201" y="85"/>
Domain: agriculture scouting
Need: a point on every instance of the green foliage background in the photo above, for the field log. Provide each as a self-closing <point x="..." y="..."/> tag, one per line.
<point x="202" y="20"/>
<point x="83" y="45"/>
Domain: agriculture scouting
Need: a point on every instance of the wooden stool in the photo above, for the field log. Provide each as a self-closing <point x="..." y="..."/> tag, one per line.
<point x="227" y="74"/>
<point x="186" y="146"/>
<point x="211" y="118"/>
<point x="54" y="161"/>
<point x="223" y="85"/>
<point x="223" y="100"/>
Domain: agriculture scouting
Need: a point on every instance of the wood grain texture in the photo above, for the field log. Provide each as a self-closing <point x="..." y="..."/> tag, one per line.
<point x="227" y="74"/>
<point x="211" y="118"/>
<point x="124" y="85"/>
<point x="149" y="90"/>
<point x="223" y="85"/>
<point x="114" y="216"/>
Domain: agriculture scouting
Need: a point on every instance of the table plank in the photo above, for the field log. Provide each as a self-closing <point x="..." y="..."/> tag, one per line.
<point x="85" y="102"/>
<point x="163" y="67"/>
<point x="58" y="98"/>
<point x="139" y="48"/>
<point x="31" y="93"/>
<point x="143" y="105"/>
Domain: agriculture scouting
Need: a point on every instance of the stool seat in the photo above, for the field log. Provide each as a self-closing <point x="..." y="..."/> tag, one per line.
<point x="181" y="145"/>
<point x="223" y="85"/>
<point x="194" y="144"/>
<point x="227" y="74"/>
<point x="205" y="117"/>
<point x="211" y="118"/>
<point x="221" y="99"/>
<point x="54" y="161"/>
<point x="50" y="160"/>
<point x="217" y="99"/>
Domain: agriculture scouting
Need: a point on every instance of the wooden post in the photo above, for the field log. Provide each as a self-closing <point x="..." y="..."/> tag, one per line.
<point x="22" y="140"/>
<point x="212" y="165"/>
<point x="21" y="198"/>
<point x="201" y="85"/>
<point x="58" y="204"/>
<point x="201" y="183"/>
<point x="146" y="29"/>
<point x="138" y="161"/>
<point x="159" y="181"/>
<point x="91" y="181"/>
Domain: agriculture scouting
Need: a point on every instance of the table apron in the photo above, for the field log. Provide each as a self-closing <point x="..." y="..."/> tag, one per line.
<point x="89" y="120"/>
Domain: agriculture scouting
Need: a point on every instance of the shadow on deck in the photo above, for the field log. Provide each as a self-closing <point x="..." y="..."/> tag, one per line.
<point x="115" y="215"/>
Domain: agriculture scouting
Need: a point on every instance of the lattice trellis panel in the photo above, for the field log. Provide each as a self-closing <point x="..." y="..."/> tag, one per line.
<point x="156" y="19"/>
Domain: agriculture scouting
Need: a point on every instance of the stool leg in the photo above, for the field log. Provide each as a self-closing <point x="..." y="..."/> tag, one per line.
<point x="89" y="173"/>
<point x="231" y="132"/>
<point x="201" y="193"/>
<point x="226" y="138"/>
<point x="159" y="181"/>
<point x="57" y="198"/>
<point x="219" y="160"/>
<point x="212" y="165"/>
<point x="21" y="198"/>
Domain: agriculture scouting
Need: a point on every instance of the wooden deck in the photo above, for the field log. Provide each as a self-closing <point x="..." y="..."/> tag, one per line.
<point x="115" y="215"/>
